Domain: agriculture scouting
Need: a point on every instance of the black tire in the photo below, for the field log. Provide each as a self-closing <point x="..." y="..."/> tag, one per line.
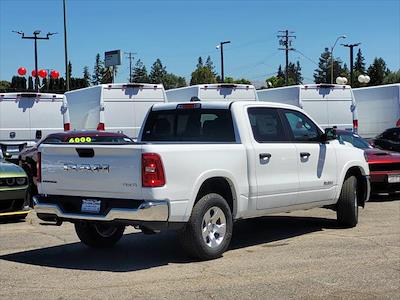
<point x="99" y="235"/>
<point x="347" y="206"/>
<point x="191" y="237"/>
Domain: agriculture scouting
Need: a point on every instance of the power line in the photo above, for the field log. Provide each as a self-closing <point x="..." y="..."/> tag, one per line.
<point x="285" y="40"/>
<point x="305" y="56"/>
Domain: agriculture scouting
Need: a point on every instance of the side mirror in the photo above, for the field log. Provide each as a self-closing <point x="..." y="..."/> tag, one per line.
<point x="328" y="135"/>
<point x="7" y="155"/>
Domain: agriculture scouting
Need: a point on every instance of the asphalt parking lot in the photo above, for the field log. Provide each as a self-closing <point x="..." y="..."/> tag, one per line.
<point x="296" y="255"/>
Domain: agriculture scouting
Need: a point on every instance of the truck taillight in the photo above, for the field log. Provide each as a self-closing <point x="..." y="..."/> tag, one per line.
<point x="152" y="170"/>
<point x="39" y="167"/>
<point x="101" y="126"/>
<point x="67" y="126"/>
<point x="398" y="123"/>
<point x="355" y="124"/>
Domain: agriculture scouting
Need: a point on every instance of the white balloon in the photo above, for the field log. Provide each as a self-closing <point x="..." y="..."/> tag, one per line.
<point x="344" y="80"/>
<point x="361" y="78"/>
<point x="339" y="80"/>
<point x="367" y="78"/>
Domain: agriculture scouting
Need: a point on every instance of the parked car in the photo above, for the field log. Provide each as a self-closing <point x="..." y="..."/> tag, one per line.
<point x="28" y="157"/>
<point x="13" y="188"/>
<point x="389" y="139"/>
<point x="197" y="167"/>
<point x="384" y="165"/>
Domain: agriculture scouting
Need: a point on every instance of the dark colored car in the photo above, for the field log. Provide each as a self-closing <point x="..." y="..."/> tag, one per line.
<point x="28" y="156"/>
<point x="384" y="165"/>
<point x="389" y="139"/>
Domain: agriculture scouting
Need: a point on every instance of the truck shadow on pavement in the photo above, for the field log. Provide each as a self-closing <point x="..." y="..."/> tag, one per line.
<point x="384" y="198"/>
<point x="137" y="251"/>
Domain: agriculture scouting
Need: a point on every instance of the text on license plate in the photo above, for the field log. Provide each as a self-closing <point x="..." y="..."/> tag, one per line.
<point x="91" y="206"/>
<point x="393" y="178"/>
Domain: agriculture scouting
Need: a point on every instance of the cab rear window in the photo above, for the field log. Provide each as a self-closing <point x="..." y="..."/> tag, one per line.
<point x="190" y="125"/>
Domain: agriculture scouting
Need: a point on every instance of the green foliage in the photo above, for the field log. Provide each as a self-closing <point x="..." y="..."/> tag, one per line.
<point x="98" y="71"/>
<point x="157" y="72"/>
<point x="294" y="76"/>
<point x="69" y="69"/>
<point x="172" y="81"/>
<point x="204" y="73"/>
<point x="392" y="77"/>
<point x="18" y="84"/>
<point x="139" y="73"/>
<point x="359" y="64"/>
<point x="30" y="83"/>
<point x="377" y="71"/>
<point x="86" y="76"/>
<point x="323" y="73"/>
<point x="275" y="81"/>
<point x="4" y="85"/>
<point x="238" y="81"/>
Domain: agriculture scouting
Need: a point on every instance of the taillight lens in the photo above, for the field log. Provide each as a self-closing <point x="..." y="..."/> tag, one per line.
<point x="355" y="124"/>
<point x="39" y="167"/>
<point x="67" y="126"/>
<point x="152" y="170"/>
<point x="101" y="126"/>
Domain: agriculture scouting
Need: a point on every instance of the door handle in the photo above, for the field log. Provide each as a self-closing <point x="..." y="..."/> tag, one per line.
<point x="265" y="156"/>
<point x="304" y="154"/>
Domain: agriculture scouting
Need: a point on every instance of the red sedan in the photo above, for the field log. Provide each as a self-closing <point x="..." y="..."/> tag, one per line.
<point x="384" y="165"/>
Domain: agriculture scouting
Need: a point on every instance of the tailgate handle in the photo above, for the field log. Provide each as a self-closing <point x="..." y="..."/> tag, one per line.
<point x="85" y="152"/>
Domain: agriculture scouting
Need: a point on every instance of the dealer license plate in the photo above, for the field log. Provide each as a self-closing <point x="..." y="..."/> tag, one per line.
<point x="394" y="178"/>
<point x="91" y="206"/>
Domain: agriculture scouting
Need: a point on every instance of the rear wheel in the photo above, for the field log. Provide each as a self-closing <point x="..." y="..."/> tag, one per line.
<point x="99" y="235"/>
<point x="209" y="230"/>
<point x="347" y="206"/>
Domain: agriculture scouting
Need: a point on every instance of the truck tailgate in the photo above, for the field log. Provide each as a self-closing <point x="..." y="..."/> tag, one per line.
<point x="112" y="171"/>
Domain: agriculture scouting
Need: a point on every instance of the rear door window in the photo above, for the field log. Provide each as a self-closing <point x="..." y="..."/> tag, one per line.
<point x="191" y="125"/>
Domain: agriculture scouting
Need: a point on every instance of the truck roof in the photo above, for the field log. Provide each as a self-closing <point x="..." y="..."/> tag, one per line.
<point x="221" y="105"/>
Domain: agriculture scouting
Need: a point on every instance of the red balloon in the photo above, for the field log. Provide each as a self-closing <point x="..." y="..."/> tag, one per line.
<point x="43" y="73"/>
<point x="22" y="71"/>
<point x="54" y="74"/>
<point x="33" y="73"/>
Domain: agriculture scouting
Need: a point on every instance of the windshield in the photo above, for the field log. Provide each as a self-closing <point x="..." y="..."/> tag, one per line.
<point x="355" y="140"/>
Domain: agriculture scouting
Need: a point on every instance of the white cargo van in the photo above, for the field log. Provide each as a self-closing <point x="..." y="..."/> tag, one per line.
<point x="378" y="108"/>
<point x="27" y="117"/>
<point x="329" y="104"/>
<point x="213" y="92"/>
<point x="111" y="107"/>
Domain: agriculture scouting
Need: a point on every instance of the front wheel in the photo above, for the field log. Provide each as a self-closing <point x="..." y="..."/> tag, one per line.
<point x="99" y="235"/>
<point x="347" y="206"/>
<point x="209" y="230"/>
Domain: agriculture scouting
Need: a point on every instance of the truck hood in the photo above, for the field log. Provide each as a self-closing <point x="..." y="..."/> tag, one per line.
<point x="10" y="170"/>
<point x="382" y="156"/>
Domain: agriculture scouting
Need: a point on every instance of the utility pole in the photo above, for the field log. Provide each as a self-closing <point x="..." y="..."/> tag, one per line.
<point x="221" y="47"/>
<point x="67" y="75"/>
<point x="351" y="46"/>
<point x="35" y="37"/>
<point x="285" y="40"/>
<point x="130" y="57"/>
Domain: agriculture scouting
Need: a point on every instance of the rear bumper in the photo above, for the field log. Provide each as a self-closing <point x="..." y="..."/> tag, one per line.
<point x="147" y="211"/>
<point x="380" y="182"/>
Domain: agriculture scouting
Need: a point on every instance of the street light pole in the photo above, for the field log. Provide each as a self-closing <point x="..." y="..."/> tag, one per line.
<point x="67" y="75"/>
<point x="351" y="46"/>
<point x="333" y="47"/>
<point x="35" y="37"/>
<point x="221" y="47"/>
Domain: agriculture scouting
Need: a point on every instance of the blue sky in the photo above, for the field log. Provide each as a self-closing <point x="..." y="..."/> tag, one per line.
<point x="178" y="32"/>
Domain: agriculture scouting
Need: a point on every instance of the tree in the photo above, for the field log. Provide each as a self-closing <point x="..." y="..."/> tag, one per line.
<point x="158" y="71"/>
<point x="98" y="71"/>
<point x="4" y="85"/>
<point x="294" y="74"/>
<point x="359" y="64"/>
<point x="69" y="69"/>
<point x="323" y="73"/>
<point x="18" y="83"/>
<point x="203" y="73"/>
<point x="377" y="71"/>
<point x="139" y="73"/>
<point x="238" y="81"/>
<point x="275" y="81"/>
<point x="172" y="81"/>
<point x="280" y="73"/>
<point x="86" y="76"/>
<point x="30" y="83"/>
<point x="392" y="77"/>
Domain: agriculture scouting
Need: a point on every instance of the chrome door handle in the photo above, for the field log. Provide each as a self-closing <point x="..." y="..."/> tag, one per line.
<point x="265" y="156"/>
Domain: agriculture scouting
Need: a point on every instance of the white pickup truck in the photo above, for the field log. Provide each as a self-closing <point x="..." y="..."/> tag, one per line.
<point x="196" y="168"/>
